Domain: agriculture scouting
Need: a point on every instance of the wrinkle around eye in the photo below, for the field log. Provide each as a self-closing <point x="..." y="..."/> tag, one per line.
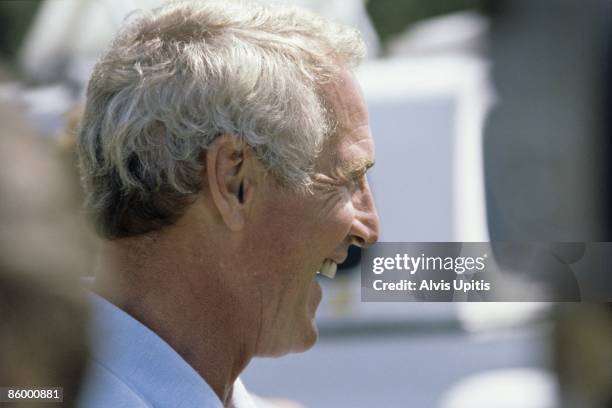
<point x="333" y="190"/>
<point x="327" y="180"/>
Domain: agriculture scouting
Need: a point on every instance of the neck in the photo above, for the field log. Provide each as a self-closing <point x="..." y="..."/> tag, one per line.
<point x="162" y="282"/>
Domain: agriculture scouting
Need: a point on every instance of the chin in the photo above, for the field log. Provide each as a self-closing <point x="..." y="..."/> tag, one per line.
<point x="307" y="340"/>
<point x="303" y="333"/>
<point x="308" y="333"/>
<point x="302" y="340"/>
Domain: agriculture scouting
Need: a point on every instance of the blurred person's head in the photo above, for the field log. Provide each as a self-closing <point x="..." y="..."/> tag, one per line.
<point x="223" y="151"/>
<point x="42" y="316"/>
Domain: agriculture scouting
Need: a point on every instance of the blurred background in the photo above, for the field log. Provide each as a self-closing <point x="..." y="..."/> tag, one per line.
<point x="491" y="123"/>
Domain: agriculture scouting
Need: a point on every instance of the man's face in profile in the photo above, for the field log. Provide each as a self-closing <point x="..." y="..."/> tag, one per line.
<point x="210" y="171"/>
<point x="306" y="230"/>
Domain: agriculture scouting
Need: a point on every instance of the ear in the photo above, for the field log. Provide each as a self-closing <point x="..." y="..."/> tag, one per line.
<point x="230" y="182"/>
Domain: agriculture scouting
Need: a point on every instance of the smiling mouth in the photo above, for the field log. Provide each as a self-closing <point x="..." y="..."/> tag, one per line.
<point x="328" y="268"/>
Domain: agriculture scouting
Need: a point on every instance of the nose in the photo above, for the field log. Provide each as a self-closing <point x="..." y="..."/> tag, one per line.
<point x="365" y="227"/>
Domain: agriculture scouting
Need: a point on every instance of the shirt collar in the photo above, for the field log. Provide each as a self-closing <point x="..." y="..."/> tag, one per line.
<point x="144" y="361"/>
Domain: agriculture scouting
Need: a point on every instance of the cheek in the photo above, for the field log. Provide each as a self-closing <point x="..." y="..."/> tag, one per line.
<point x="338" y="220"/>
<point x="306" y="229"/>
<point x="325" y="230"/>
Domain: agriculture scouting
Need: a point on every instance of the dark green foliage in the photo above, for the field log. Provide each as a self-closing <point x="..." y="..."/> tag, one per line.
<point x="15" y="19"/>
<point x="391" y="17"/>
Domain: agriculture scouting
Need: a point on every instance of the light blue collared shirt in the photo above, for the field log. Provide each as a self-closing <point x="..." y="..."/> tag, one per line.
<point x="132" y="367"/>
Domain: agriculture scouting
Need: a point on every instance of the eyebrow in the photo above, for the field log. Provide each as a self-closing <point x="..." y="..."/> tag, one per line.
<point x="354" y="168"/>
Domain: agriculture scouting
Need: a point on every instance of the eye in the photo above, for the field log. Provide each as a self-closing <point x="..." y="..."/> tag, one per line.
<point x="358" y="179"/>
<point x="327" y="184"/>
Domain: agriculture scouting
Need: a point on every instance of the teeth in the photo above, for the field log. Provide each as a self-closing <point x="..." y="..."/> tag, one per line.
<point x="328" y="269"/>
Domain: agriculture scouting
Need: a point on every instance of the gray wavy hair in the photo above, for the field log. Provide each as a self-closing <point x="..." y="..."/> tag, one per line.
<point x="175" y="78"/>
